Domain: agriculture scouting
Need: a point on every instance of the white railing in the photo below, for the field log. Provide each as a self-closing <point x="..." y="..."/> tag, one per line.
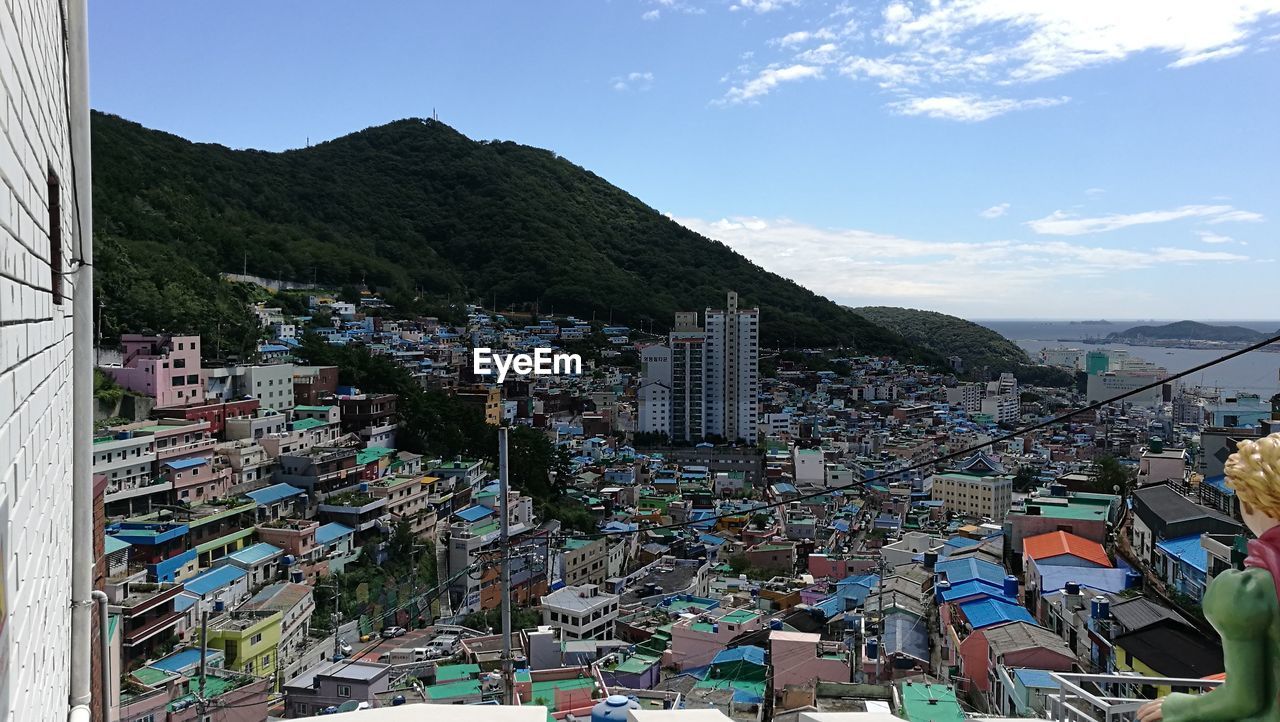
<point x="1108" y="697"/>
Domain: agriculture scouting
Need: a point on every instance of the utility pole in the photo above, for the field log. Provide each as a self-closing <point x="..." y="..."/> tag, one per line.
<point x="204" y="648"/>
<point x="880" y="625"/>
<point x="337" y="619"/>
<point x="504" y="522"/>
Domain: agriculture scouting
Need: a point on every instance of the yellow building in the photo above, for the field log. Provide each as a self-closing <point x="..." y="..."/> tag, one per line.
<point x="249" y="640"/>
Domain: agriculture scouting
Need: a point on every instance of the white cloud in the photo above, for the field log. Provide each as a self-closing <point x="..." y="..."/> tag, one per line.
<point x="760" y="6"/>
<point x="967" y="48"/>
<point x="1211" y="237"/>
<point x="767" y="80"/>
<point x="995" y="211"/>
<point x="1060" y="223"/>
<point x="1196" y="59"/>
<point x="859" y="267"/>
<point x="969" y="108"/>
<point x="1094" y="192"/>
<point x="1237" y="217"/>
<point x="652" y="14"/>
<point x="638" y="81"/>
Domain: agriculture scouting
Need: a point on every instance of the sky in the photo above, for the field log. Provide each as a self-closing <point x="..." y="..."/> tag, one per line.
<point x="984" y="158"/>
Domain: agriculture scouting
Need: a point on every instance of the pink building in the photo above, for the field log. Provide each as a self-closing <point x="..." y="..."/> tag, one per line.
<point x="185" y="458"/>
<point x="166" y="368"/>
<point x="1019" y="644"/>
<point x="696" y="641"/>
<point x="801" y="659"/>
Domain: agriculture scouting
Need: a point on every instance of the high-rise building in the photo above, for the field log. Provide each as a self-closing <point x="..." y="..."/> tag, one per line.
<point x="688" y="361"/>
<point x="712" y="374"/>
<point x="732" y="371"/>
<point x="46" y="365"/>
<point x="654" y="394"/>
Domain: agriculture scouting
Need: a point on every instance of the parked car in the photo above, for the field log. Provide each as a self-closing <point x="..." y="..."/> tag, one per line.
<point x="344" y="647"/>
<point x="393" y="632"/>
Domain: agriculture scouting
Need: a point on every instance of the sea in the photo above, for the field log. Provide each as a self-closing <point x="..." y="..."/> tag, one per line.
<point x="1256" y="372"/>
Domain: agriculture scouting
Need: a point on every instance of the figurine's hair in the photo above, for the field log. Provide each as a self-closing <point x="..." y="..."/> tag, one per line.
<point x="1254" y="473"/>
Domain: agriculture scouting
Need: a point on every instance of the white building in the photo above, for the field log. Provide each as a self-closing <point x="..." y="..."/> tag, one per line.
<point x="967" y="397"/>
<point x="270" y="384"/>
<point x="654" y="394"/>
<point x="581" y="612"/>
<point x="1106" y="386"/>
<point x="810" y="466"/>
<point x="732" y="371"/>
<point x="46" y="361"/>
<point x="1003" y="408"/>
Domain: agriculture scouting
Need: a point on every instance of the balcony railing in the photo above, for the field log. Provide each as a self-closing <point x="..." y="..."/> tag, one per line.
<point x="1108" y="697"/>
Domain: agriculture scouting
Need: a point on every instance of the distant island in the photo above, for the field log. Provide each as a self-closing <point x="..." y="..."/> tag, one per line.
<point x="1102" y="322"/>
<point x="1187" y="331"/>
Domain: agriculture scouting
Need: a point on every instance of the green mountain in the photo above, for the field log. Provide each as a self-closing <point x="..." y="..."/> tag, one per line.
<point x="1191" y="331"/>
<point x="415" y="206"/>
<point x="977" y="346"/>
<point x="983" y="351"/>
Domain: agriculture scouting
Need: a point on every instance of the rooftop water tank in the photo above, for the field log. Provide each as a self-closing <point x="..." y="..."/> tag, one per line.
<point x="1100" y="608"/>
<point x="613" y="709"/>
<point x="873" y="648"/>
<point x="1073" y="588"/>
<point x="942" y="587"/>
<point x="1011" y="586"/>
<point x="1132" y="579"/>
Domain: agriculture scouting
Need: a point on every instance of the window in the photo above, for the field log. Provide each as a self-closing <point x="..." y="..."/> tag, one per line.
<point x="256" y="639"/>
<point x="344" y="690"/>
<point x="55" y="237"/>
<point x="178" y="363"/>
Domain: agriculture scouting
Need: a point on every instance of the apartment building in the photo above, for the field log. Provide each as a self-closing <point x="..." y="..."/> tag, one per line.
<point x="585" y="561"/>
<point x="732" y="371"/>
<point x="654" y="394"/>
<point x="166" y="368"/>
<point x="688" y="360"/>
<point x="974" y="495"/>
<point x="581" y="612"/>
<point x="372" y="417"/>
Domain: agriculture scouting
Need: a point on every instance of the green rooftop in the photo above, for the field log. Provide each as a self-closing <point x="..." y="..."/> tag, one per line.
<point x="455" y="672"/>
<point x="151" y="676"/>
<point x="740" y="616"/>
<point x="312" y="408"/>
<point x="930" y="703"/>
<point x="304" y="424"/>
<point x="451" y="690"/>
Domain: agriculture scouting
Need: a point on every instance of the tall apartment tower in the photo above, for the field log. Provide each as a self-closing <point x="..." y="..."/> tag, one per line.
<point x="732" y="371"/>
<point x="688" y="366"/>
<point x="46" y="364"/>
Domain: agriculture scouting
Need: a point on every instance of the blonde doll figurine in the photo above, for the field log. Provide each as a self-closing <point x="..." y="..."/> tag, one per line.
<point x="1242" y="605"/>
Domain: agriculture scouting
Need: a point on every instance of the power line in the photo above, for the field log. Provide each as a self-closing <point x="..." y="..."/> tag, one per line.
<point x="951" y="455"/>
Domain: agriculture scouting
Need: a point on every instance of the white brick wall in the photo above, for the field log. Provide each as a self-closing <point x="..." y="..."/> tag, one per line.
<point x="35" y="367"/>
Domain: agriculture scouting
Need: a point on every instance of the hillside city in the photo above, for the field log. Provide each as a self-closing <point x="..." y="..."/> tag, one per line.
<point x="401" y="425"/>
<point x="819" y="562"/>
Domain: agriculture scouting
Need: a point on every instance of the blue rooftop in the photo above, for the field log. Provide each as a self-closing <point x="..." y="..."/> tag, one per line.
<point x="1054" y="577"/>
<point x="906" y="634"/>
<point x="1035" y="678"/>
<point x="745" y="653"/>
<point x="971" y="588"/>
<point x="257" y="553"/>
<point x="331" y="532"/>
<point x="185" y="463"/>
<point x="474" y="513"/>
<point x="963" y="570"/>
<point x="179" y="662"/>
<point x="983" y="613"/>
<point x="214" y="579"/>
<point x="274" y="493"/>
<point x="1219" y="482"/>
<point x="112" y="545"/>
<point x="1188" y="549"/>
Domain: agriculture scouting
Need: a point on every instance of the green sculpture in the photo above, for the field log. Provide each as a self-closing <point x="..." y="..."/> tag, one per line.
<point x="1244" y="606"/>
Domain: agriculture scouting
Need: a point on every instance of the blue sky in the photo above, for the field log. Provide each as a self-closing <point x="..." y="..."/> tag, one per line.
<point x="987" y="158"/>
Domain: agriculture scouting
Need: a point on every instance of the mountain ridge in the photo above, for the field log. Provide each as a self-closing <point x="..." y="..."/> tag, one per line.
<point x="1191" y="331"/>
<point x="417" y="208"/>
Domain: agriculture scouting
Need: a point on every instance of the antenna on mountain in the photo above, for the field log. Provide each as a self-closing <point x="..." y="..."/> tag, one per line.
<point x="435" y="116"/>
